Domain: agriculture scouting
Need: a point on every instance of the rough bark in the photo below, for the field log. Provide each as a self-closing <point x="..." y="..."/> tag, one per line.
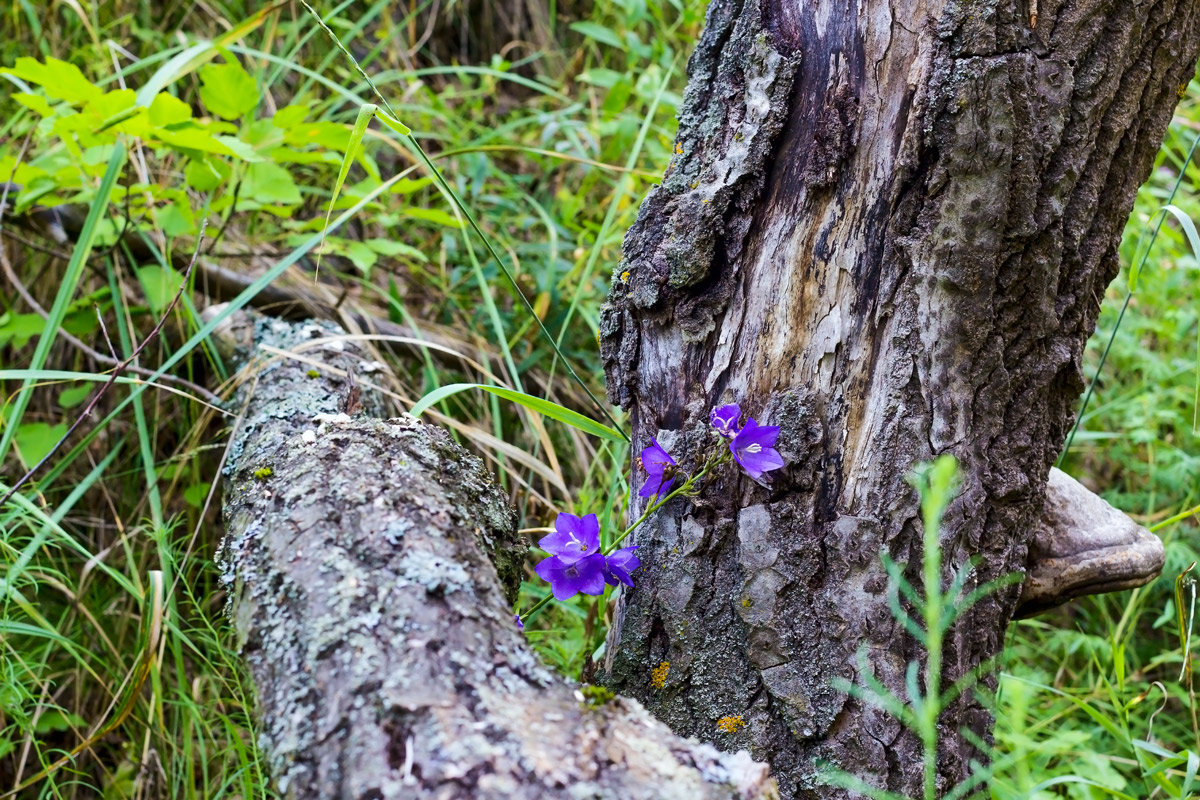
<point x="888" y="229"/>
<point x="359" y="554"/>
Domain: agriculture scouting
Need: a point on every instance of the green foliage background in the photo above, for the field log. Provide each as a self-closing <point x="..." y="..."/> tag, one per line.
<point x="549" y="124"/>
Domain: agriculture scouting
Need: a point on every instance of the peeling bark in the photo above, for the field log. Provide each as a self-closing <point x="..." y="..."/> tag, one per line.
<point x="888" y="232"/>
<point x="372" y="565"/>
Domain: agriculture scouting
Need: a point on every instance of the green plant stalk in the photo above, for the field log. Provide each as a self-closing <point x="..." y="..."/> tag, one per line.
<point x="935" y="633"/>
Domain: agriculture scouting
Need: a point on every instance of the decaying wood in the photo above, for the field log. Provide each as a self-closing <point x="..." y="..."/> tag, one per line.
<point x="887" y="230"/>
<point x="372" y="565"/>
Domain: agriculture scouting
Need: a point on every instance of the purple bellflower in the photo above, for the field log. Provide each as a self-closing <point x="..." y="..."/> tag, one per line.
<point x="754" y="448"/>
<point x="567" y="580"/>
<point x="660" y="470"/>
<point x="574" y="565"/>
<point x="573" y="538"/>
<point x="725" y="420"/>
<point x="619" y="564"/>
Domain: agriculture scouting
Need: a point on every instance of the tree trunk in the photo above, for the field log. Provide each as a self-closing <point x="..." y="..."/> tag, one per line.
<point x="887" y="230"/>
<point x="369" y="562"/>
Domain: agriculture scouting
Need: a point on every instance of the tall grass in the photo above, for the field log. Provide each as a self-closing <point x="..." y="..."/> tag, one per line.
<point x="549" y="140"/>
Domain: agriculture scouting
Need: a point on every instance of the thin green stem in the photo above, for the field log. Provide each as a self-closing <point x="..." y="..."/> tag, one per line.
<point x="1178" y="517"/>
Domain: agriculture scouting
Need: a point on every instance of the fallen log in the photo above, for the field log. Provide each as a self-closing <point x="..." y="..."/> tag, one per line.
<point x="372" y="565"/>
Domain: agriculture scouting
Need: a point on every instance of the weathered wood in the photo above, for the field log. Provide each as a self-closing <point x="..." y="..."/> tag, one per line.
<point x="888" y="231"/>
<point x="365" y="560"/>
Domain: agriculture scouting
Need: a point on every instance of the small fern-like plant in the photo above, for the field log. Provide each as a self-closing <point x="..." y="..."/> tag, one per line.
<point x="927" y="615"/>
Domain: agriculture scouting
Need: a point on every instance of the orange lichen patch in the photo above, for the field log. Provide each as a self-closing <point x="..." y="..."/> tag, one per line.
<point x="731" y="724"/>
<point x="658" y="678"/>
<point x="625" y="276"/>
<point x="678" y="148"/>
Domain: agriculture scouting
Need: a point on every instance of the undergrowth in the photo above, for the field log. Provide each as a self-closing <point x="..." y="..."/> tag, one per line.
<point x="549" y="127"/>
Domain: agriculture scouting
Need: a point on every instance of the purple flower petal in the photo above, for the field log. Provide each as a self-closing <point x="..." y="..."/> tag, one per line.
<point x="568" y="580"/>
<point x="573" y="537"/>
<point x="753" y="448"/>
<point x="618" y="565"/>
<point x="659" y="468"/>
<point x="655" y="485"/>
<point x="725" y="420"/>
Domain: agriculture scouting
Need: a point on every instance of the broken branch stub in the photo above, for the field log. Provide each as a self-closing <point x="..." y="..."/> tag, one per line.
<point x="365" y="560"/>
<point x="1082" y="545"/>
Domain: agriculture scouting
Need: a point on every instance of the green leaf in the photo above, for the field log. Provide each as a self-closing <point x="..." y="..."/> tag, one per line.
<point x="69" y="398"/>
<point x="56" y="720"/>
<point x="168" y="110"/>
<point x="544" y="407"/>
<point x="289" y="116"/>
<point x="228" y="90"/>
<point x="599" y="33"/>
<point x="176" y="219"/>
<point x="18" y="329"/>
<point x="205" y="173"/>
<point x="160" y="284"/>
<point x="435" y="215"/>
<point x="270" y="183"/>
<point x="113" y="103"/>
<point x="192" y="137"/>
<point x="196" y="494"/>
<point x="36" y="439"/>
<point x="59" y="79"/>
<point x="36" y="102"/>
<point x="393" y="123"/>
<point x="365" y="112"/>
<point x="392" y="248"/>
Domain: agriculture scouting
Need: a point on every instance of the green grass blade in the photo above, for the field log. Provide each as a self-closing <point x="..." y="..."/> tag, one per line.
<point x="365" y="112"/>
<point x="544" y="407"/>
<point x="66" y="290"/>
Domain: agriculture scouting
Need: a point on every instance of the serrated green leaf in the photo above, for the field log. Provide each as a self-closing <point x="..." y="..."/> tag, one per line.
<point x="228" y="90"/>
<point x="59" y="79"/>
<point x="538" y="404"/>
<point x="36" y="102"/>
